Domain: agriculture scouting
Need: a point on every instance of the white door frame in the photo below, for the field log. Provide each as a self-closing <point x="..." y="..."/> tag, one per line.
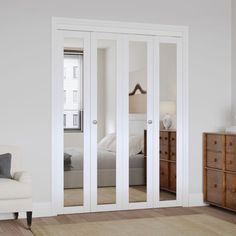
<point x="66" y="25"/>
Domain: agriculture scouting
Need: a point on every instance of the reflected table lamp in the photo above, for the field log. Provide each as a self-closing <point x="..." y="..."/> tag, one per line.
<point x="167" y="112"/>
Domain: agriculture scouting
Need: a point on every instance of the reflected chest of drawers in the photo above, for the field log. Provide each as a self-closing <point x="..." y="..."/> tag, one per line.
<point x="219" y="151"/>
<point x="168" y="160"/>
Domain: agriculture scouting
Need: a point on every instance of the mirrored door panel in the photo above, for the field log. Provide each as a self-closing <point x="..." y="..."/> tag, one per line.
<point x="73" y="122"/>
<point x="106" y="121"/>
<point x="168" y="127"/>
<point x="137" y="165"/>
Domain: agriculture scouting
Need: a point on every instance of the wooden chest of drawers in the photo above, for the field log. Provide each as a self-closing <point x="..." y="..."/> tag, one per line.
<point x="219" y="151"/>
<point x="168" y="160"/>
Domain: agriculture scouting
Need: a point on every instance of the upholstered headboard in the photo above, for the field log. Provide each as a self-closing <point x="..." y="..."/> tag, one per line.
<point x="137" y="123"/>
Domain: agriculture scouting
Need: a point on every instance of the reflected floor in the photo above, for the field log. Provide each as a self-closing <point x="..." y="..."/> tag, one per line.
<point x="106" y="195"/>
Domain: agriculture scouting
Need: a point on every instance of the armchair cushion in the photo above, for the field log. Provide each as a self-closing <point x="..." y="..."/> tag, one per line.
<point x="5" y="165"/>
<point x="17" y="188"/>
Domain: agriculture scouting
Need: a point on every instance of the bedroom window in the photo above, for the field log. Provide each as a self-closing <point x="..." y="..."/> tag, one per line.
<point x="73" y="90"/>
<point x="75" y="96"/>
<point x="64" y="96"/>
<point x="64" y="120"/>
<point x="75" y="119"/>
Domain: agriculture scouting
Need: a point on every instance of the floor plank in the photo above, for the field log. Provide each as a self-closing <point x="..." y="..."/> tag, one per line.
<point x="18" y="227"/>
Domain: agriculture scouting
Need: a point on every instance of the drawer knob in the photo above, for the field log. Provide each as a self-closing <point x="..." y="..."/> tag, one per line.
<point x="160" y="152"/>
<point x="166" y="153"/>
<point x="215" y="142"/>
<point x="230" y="143"/>
<point x="215" y="185"/>
<point x="173" y="139"/>
<point x="173" y="153"/>
<point x="232" y="190"/>
<point x="215" y="160"/>
<point x="230" y="162"/>
<point x="165" y="138"/>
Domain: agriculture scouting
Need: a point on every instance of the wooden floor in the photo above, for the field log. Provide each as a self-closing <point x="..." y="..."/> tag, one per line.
<point x="107" y="195"/>
<point x="18" y="228"/>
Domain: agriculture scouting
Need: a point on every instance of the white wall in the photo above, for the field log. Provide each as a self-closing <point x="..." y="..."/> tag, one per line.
<point x="25" y="81"/>
<point x="168" y="72"/>
<point x="233" y="26"/>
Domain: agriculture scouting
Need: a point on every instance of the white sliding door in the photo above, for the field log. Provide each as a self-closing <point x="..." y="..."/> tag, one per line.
<point x="106" y="126"/>
<point x="71" y="123"/>
<point x="138" y="122"/>
<point x="168" y="126"/>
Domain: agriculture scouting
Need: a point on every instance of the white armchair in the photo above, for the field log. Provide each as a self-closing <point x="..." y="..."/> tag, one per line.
<point x="16" y="193"/>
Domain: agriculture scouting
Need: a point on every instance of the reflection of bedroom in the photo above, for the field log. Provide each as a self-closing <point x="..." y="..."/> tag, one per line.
<point x="106" y="123"/>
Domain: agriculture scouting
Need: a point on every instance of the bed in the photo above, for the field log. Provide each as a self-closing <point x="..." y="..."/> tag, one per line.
<point x="106" y="169"/>
<point x="73" y="177"/>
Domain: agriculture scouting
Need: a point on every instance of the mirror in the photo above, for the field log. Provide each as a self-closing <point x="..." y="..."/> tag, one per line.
<point x="106" y="122"/>
<point x="137" y="121"/>
<point x="73" y="122"/>
<point x="168" y="129"/>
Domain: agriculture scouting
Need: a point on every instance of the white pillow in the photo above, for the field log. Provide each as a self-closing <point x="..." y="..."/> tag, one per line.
<point x="136" y="144"/>
<point x="106" y="142"/>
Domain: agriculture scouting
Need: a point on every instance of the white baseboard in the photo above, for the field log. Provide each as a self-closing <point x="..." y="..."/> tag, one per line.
<point x="196" y="199"/>
<point x="44" y="209"/>
<point x="40" y="209"/>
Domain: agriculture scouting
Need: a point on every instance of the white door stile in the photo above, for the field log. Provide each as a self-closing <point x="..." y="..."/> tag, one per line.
<point x="125" y="121"/>
<point x="150" y="117"/>
<point x="57" y="123"/>
<point x="156" y="123"/>
<point x="180" y="126"/>
<point x="93" y="124"/>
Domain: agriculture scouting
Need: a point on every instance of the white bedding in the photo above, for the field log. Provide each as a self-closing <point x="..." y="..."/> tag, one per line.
<point x="106" y="159"/>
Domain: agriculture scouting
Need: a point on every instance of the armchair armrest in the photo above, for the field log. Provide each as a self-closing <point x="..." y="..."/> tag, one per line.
<point x="22" y="176"/>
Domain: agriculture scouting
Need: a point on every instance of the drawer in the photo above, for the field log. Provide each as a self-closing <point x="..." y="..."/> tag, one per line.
<point x="230" y="199"/>
<point x="215" y="142"/>
<point x="230" y="162"/>
<point x="173" y="139"/>
<point x="164" y="138"/>
<point x="214" y="187"/>
<point x="231" y="144"/>
<point x="172" y="177"/>
<point x="164" y="179"/>
<point x="214" y="160"/>
<point x="173" y="153"/>
<point x="164" y="152"/>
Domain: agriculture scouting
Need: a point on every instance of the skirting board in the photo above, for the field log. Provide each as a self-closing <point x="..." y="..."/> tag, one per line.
<point x="196" y="199"/>
<point x="40" y="209"/>
<point x="44" y="209"/>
